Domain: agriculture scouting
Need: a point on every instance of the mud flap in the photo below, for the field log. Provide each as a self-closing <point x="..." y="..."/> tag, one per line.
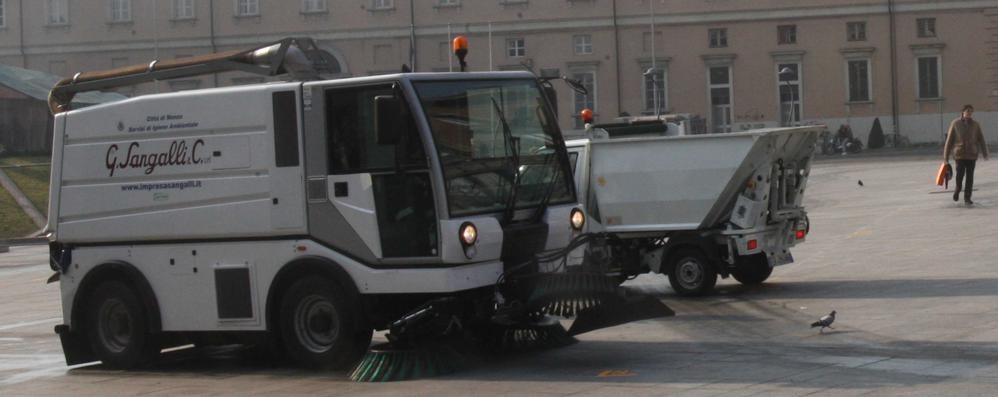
<point x="74" y="346"/>
<point x="624" y="310"/>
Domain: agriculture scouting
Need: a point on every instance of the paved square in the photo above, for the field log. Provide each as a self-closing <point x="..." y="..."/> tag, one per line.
<point x="912" y="274"/>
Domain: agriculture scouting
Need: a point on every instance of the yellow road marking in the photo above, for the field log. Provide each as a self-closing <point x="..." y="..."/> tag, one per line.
<point x="615" y="373"/>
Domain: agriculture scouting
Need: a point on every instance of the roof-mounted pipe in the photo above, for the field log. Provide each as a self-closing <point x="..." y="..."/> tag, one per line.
<point x="299" y="57"/>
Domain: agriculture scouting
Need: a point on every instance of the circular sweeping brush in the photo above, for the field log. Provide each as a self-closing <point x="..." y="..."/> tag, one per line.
<point x="545" y="333"/>
<point x="388" y="363"/>
<point x="566" y="294"/>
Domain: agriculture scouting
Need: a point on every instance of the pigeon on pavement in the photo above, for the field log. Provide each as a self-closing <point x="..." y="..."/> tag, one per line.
<point x="859" y="182"/>
<point x="824" y="322"/>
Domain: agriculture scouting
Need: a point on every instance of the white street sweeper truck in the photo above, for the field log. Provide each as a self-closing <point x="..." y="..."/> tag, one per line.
<point x="303" y="215"/>
<point x="695" y="207"/>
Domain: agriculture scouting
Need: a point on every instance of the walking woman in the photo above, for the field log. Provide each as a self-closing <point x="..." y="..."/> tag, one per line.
<point x="964" y="142"/>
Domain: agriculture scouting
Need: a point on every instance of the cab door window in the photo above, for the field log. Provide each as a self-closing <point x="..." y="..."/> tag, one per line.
<point x="403" y="194"/>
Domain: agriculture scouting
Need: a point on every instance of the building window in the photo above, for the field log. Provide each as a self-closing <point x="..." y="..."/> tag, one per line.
<point x="928" y="77"/>
<point x="3" y="13"/>
<point x="383" y="4"/>
<point x="654" y="92"/>
<point x="587" y="101"/>
<point x="788" y="78"/>
<point x="121" y="10"/>
<point x="859" y="80"/>
<point x="448" y="3"/>
<point x="719" y="85"/>
<point x="718" y="37"/>
<point x="856" y="31"/>
<point x="786" y="34"/>
<point x="246" y="8"/>
<point x="583" y="44"/>
<point x="313" y="6"/>
<point x="926" y="27"/>
<point x="58" y="12"/>
<point x="183" y="9"/>
<point x="516" y="47"/>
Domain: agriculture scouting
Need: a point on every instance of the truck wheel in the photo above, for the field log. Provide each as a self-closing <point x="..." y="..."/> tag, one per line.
<point x="320" y="326"/>
<point x="752" y="269"/>
<point x="691" y="274"/>
<point x="117" y="327"/>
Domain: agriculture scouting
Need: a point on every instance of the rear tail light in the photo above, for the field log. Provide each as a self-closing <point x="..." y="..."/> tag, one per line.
<point x="752" y="245"/>
<point x="800" y="234"/>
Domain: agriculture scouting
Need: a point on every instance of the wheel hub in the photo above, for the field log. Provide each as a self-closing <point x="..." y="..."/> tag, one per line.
<point x="690" y="273"/>
<point x="316" y="323"/>
<point x="115" y="325"/>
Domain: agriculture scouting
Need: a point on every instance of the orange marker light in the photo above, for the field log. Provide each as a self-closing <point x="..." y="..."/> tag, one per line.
<point x="460" y="43"/>
<point x="587" y="115"/>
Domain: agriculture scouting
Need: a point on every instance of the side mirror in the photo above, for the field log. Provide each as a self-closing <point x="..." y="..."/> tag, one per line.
<point x="386" y="119"/>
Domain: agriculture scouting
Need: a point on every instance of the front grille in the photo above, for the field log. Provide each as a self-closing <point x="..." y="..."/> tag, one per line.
<point x="521" y="242"/>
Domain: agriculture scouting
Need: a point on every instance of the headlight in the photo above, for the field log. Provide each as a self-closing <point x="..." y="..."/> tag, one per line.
<point x="468" y="234"/>
<point x="578" y="219"/>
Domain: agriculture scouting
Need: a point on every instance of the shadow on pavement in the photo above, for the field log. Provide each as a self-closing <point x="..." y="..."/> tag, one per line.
<point x="758" y="362"/>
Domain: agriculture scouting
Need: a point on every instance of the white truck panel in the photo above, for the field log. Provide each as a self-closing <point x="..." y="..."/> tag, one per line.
<point x="634" y="193"/>
<point x="94" y="201"/>
<point x="489" y="244"/>
<point x="357" y="207"/>
<point x="180" y="113"/>
<point x="196" y="164"/>
<point x="657" y="184"/>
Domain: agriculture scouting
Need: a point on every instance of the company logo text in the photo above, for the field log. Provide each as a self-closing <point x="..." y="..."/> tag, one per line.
<point x="178" y="154"/>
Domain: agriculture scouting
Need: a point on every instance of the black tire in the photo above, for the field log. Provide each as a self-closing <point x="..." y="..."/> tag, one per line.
<point x="752" y="269"/>
<point x="690" y="274"/>
<point x="117" y="327"/>
<point x="321" y="325"/>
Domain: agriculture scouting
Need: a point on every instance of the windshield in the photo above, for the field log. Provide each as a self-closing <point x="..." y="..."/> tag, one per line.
<point x="477" y="152"/>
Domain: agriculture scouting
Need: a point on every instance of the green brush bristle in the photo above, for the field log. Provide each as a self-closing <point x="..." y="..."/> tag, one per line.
<point x="386" y="363"/>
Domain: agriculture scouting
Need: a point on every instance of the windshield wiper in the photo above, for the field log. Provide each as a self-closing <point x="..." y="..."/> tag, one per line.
<point x="555" y="173"/>
<point x="542" y="206"/>
<point x="507" y="135"/>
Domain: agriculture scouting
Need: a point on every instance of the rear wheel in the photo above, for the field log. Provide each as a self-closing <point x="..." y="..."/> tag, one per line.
<point x="320" y="326"/>
<point x="117" y="327"/>
<point x="752" y="269"/>
<point x="691" y="274"/>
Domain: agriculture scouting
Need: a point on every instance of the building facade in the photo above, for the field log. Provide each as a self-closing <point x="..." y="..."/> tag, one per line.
<point x="736" y="65"/>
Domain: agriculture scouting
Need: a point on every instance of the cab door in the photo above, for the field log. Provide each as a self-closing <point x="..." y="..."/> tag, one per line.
<point x="372" y="199"/>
